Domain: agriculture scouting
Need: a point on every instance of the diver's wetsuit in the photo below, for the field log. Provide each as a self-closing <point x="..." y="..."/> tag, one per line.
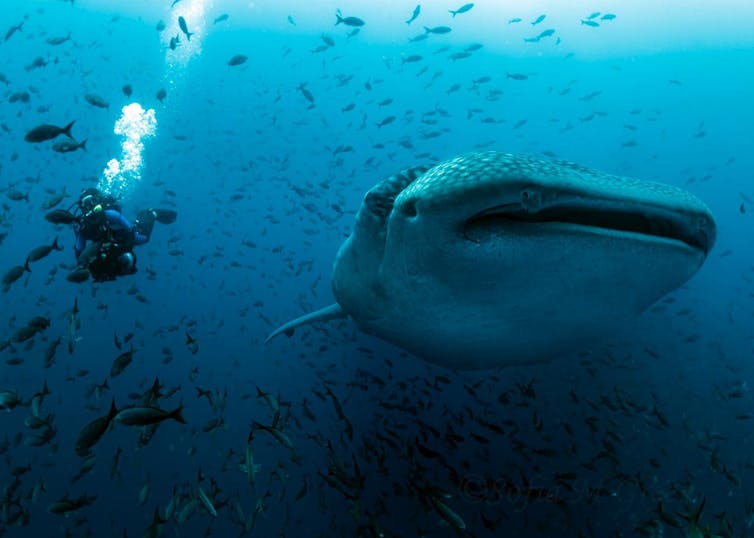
<point x="122" y="229"/>
<point x="116" y="237"/>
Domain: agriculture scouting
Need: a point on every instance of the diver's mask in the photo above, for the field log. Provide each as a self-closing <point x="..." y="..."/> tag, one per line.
<point x="93" y="211"/>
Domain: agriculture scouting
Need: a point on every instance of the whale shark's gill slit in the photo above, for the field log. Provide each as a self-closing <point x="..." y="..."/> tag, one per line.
<point x="645" y="223"/>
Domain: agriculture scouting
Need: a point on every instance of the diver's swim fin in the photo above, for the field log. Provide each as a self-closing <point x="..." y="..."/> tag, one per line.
<point x="145" y="222"/>
<point x="165" y="216"/>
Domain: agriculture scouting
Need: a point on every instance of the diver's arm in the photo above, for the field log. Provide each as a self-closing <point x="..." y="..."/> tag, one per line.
<point x="117" y="220"/>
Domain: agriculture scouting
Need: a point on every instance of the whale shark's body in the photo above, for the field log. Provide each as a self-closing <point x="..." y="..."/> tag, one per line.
<point x="492" y="259"/>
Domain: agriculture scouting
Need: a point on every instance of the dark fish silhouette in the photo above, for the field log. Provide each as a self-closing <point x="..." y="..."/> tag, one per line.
<point x="184" y="28"/>
<point x="238" y="59"/>
<point x="60" y="216"/>
<point x="44" y="132"/>
<point x="463" y="9"/>
<point x="348" y="21"/>
<point x="67" y="146"/>
<point x="417" y="10"/>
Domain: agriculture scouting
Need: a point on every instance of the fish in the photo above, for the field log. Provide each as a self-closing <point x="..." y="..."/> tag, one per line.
<point x="36" y="63"/>
<point x="23" y="334"/>
<point x="221" y="18"/>
<point x="147" y="415"/>
<point x="206" y="501"/>
<point x="694" y="530"/>
<point x="121" y="362"/>
<point x="161" y="94"/>
<point x="276" y="433"/>
<point x="386" y="121"/>
<point x="39" y="323"/>
<point x="514" y="21"/>
<point x="174" y="42"/>
<point x="590" y="96"/>
<point x="93" y="432"/>
<point x="238" y="59"/>
<point x="96" y="100"/>
<point x="459" y="55"/>
<point x="502" y="223"/>
<point x="463" y="9"/>
<point x="447" y="514"/>
<point x="587" y="22"/>
<point x="16" y="195"/>
<point x="74" y="324"/>
<point x="67" y="146"/>
<point x="348" y="21"/>
<point x="13" y="274"/>
<point x="213" y="425"/>
<point x="144" y="493"/>
<point x="127" y="90"/>
<point x="22" y="96"/>
<point x="270" y="398"/>
<point x="50" y="350"/>
<point x="608" y="17"/>
<point x="12" y="30"/>
<point x="54" y="41"/>
<point x="66" y="505"/>
<point x="42" y="252"/>
<point x="437" y="30"/>
<point x="192" y="344"/>
<point x="306" y="93"/>
<point x="114" y="471"/>
<point x="184" y="28"/>
<point x="516" y="76"/>
<point x="44" y="132"/>
<point x="291" y="21"/>
<point x="415" y="14"/>
<point x="410" y="59"/>
<point x="538" y="20"/>
<point x="248" y="466"/>
<point x="78" y="275"/>
<point x="160" y="26"/>
<point x="55" y="199"/>
<point x="9" y="399"/>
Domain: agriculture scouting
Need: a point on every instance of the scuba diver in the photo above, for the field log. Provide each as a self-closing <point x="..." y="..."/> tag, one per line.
<point x="104" y="237"/>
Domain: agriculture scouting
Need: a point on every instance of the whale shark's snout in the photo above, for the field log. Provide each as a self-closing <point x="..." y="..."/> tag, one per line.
<point x="492" y="259"/>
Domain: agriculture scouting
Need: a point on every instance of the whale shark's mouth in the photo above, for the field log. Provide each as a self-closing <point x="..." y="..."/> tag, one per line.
<point x="645" y="220"/>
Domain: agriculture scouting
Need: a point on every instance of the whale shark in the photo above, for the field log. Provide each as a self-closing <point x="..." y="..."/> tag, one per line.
<point x="494" y="259"/>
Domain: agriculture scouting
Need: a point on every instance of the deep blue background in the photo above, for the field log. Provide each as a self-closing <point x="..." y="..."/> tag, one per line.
<point x="237" y="266"/>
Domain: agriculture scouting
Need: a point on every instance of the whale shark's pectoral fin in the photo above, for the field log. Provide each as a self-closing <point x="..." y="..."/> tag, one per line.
<point x="334" y="311"/>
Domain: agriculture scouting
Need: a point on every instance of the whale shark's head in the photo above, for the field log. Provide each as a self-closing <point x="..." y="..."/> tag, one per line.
<point x="492" y="258"/>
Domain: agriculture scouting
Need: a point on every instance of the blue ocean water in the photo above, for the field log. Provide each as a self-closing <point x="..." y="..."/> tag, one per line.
<point x="266" y="163"/>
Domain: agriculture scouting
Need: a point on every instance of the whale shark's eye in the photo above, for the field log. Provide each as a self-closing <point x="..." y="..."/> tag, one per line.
<point x="409" y="208"/>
